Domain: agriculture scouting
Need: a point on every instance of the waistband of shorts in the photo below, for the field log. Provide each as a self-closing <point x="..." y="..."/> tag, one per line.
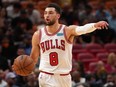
<point x="54" y="74"/>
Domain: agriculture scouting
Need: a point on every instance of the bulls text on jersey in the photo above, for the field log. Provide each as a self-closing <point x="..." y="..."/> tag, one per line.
<point x="49" y="44"/>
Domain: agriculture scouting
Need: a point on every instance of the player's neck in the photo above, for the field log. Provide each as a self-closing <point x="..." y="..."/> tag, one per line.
<point x="53" y="28"/>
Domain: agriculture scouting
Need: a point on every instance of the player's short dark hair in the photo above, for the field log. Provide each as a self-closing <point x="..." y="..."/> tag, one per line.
<point x="56" y="6"/>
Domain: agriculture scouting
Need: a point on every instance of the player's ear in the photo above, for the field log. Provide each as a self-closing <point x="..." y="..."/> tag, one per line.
<point x="58" y="16"/>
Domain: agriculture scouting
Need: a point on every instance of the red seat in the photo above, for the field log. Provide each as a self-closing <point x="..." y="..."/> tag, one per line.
<point x="110" y="47"/>
<point x="92" y="67"/>
<point x="77" y="48"/>
<point x="102" y="56"/>
<point x="94" y="48"/>
<point x="86" y="58"/>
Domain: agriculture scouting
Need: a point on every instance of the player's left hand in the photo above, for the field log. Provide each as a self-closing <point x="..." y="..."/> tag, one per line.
<point x="101" y="25"/>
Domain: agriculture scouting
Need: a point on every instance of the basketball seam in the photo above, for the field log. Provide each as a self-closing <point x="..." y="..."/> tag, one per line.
<point x="17" y="66"/>
<point x="21" y="67"/>
<point x="27" y="69"/>
<point x="17" y="69"/>
<point x="24" y="61"/>
<point x="24" y="67"/>
<point x="28" y="64"/>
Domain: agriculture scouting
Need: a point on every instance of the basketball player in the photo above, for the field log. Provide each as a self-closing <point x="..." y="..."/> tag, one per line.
<point x="53" y="43"/>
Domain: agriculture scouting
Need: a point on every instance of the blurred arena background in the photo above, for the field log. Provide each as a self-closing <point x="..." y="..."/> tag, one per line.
<point x="94" y="54"/>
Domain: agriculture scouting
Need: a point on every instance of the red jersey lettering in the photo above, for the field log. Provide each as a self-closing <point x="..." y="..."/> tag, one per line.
<point x="58" y="44"/>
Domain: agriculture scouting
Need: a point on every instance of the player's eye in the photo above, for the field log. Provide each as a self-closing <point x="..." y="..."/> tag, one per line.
<point x="51" y="12"/>
<point x="45" y="12"/>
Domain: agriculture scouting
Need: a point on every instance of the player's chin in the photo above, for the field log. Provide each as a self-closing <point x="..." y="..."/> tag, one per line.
<point x="49" y="24"/>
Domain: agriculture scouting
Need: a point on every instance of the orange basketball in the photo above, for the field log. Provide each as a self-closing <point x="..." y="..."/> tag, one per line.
<point x="23" y="65"/>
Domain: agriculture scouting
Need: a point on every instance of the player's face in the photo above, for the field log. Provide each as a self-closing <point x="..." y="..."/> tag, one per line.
<point x="50" y="16"/>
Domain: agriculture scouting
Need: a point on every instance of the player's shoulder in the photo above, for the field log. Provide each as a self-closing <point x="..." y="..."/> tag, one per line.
<point x="38" y="31"/>
<point x="70" y="27"/>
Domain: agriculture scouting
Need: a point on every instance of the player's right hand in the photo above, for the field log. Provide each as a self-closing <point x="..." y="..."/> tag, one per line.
<point x="101" y="25"/>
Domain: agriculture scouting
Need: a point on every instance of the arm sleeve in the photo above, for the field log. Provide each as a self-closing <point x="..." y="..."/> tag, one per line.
<point x="85" y="29"/>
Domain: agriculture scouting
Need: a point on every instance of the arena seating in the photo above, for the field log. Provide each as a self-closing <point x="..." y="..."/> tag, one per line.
<point x="102" y="56"/>
<point x="86" y="59"/>
<point x="95" y="48"/>
<point x="110" y="47"/>
<point x="92" y="52"/>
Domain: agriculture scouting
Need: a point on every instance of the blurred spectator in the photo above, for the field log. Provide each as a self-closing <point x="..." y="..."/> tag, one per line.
<point x="100" y="74"/>
<point x="8" y="49"/>
<point x="110" y="81"/>
<point x="22" y="18"/>
<point x="14" y="10"/>
<point x="105" y="35"/>
<point x="81" y="69"/>
<point x="20" y="51"/>
<point x="76" y="66"/>
<point x="4" y="61"/>
<point x="115" y="79"/>
<point x="31" y="81"/>
<point x="88" y="38"/>
<point x="68" y="14"/>
<point x="2" y="19"/>
<point x="27" y="43"/>
<point x="1" y="3"/>
<point x="82" y="85"/>
<point x="3" y="22"/>
<point x="112" y="19"/>
<point x="3" y="83"/>
<point x="91" y="80"/>
<point x="87" y="15"/>
<point x="110" y="78"/>
<point x="101" y="13"/>
<point x="11" y="79"/>
<point x="76" y="78"/>
<point x="33" y="14"/>
<point x="76" y="3"/>
<point x="21" y="25"/>
<point x="109" y="85"/>
<point x="111" y="63"/>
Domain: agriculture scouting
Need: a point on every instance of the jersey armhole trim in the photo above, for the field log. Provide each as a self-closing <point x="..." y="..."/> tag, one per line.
<point x="66" y="36"/>
<point x="40" y="35"/>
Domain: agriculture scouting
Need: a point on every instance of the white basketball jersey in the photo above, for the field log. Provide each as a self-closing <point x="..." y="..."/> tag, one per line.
<point x="55" y="52"/>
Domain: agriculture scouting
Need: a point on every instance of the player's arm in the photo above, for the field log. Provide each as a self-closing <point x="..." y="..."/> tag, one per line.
<point x="35" y="51"/>
<point x="87" y="28"/>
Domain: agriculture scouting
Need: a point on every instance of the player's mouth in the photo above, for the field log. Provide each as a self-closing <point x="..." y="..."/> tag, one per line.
<point x="47" y="20"/>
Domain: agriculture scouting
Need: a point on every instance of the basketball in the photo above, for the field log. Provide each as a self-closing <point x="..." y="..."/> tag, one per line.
<point x="23" y="65"/>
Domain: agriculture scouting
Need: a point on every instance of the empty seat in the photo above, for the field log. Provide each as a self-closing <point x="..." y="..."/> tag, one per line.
<point x="77" y="48"/>
<point x="86" y="57"/>
<point x="110" y="47"/>
<point x="95" y="48"/>
<point x="102" y="56"/>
